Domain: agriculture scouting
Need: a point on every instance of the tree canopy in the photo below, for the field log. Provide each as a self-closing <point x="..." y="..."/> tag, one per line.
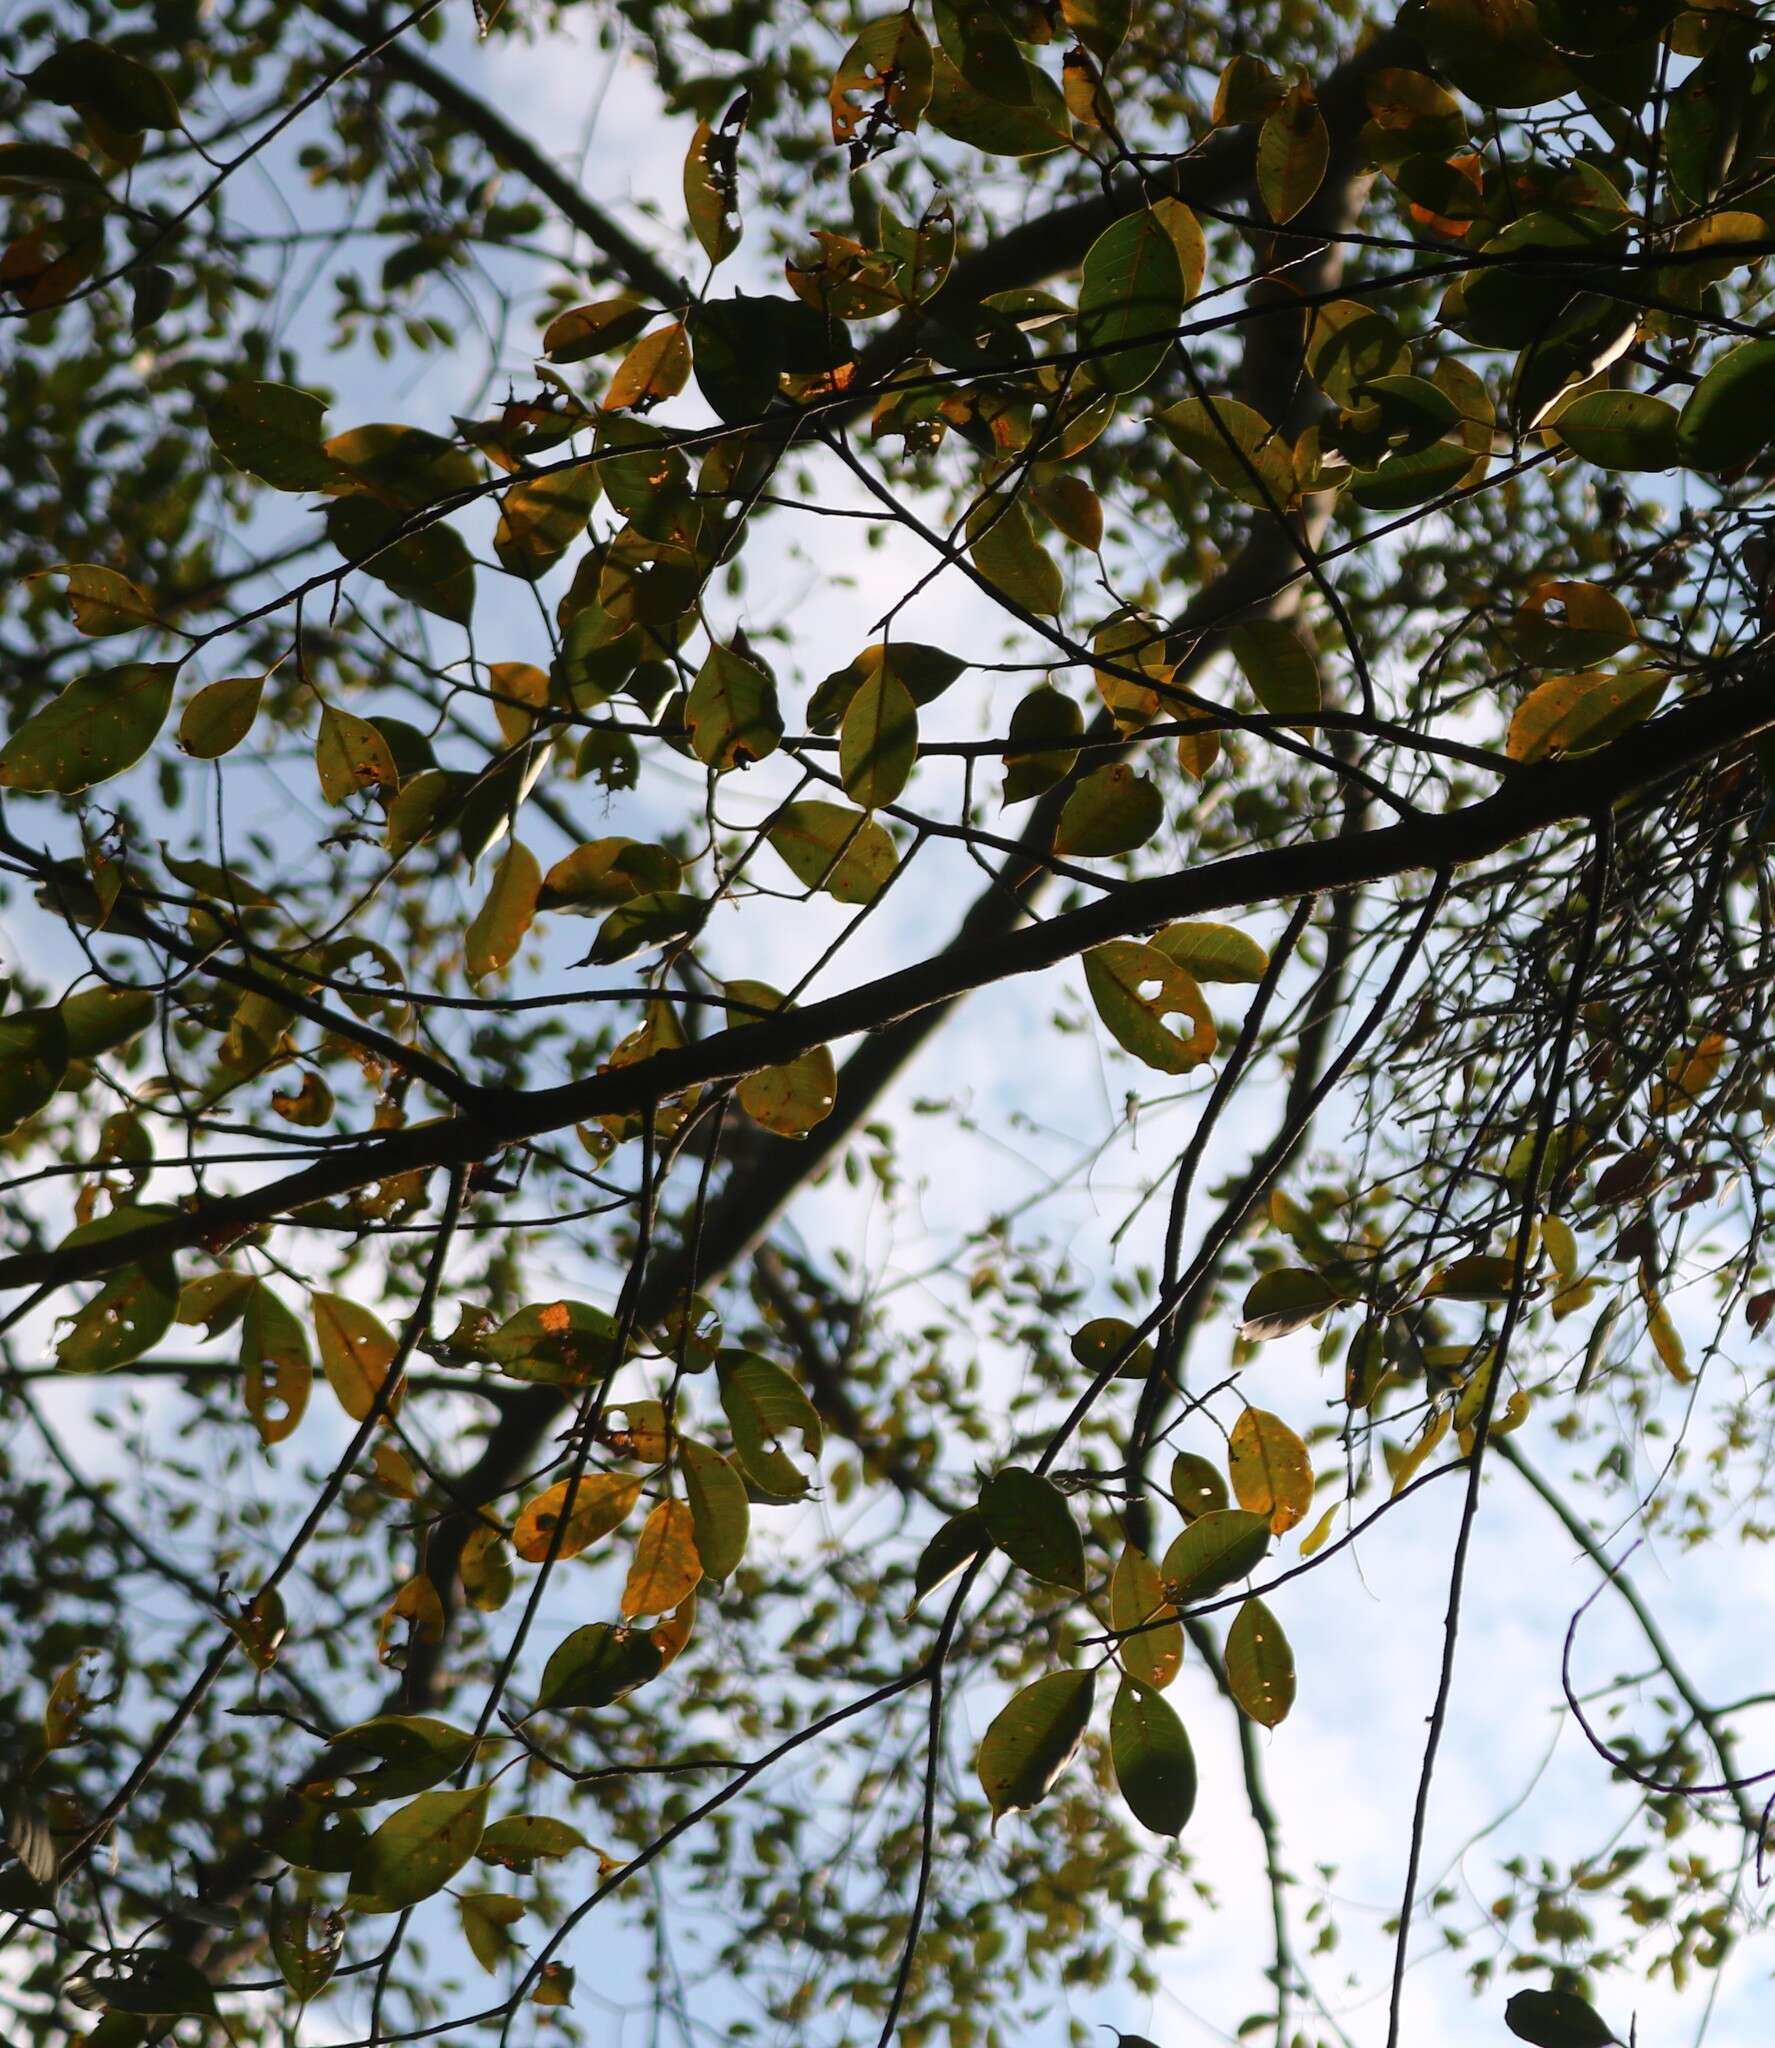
<point x="818" y="970"/>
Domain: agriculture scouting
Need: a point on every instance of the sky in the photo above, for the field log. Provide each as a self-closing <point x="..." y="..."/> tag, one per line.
<point x="1366" y="1628"/>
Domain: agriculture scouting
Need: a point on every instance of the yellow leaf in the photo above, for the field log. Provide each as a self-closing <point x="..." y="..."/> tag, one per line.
<point x="667" y="1569"/>
<point x="601" y="1500"/>
<point x="523" y="682"/>
<point x="1271" y="1471"/>
<point x="356" y="1351"/>
<point x="498" y="927"/>
<point x="418" y="1605"/>
<point x="1404" y="1464"/>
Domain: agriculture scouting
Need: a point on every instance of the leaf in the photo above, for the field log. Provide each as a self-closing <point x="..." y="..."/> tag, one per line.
<point x="978" y="43"/>
<point x="1293" y="148"/>
<point x="1278" y="665"/>
<point x="1236" y="446"/>
<point x="1111" y="1337"/>
<point x="350" y="756"/>
<point x="600" y="1503"/>
<point x="520" y="1840"/>
<point x="306" y="1954"/>
<point x="1033" y="762"/>
<point x="1032" y="1740"/>
<point x="1113" y="810"/>
<point x="1570" y="625"/>
<point x="711" y="188"/>
<point x="128" y="1316"/>
<point x="763" y="1405"/>
<point x="1027" y="1517"/>
<point x="651" y="920"/>
<point x="1729" y="417"/>
<point x="273" y="432"/>
<point x="1154" y="1765"/>
<point x="34" y="1055"/>
<point x="1035" y="126"/>
<point x="355" y="1351"/>
<point x="1217" y="1548"/>
<point x="666" y="1568"/>
<point x="732" y="712"/>
<point x="847" y="853"/>
<point x="955" y="1545"/>
<point x="486" y="1919"/>
<point x="1286" y="1300"/>
<point x="540" y="518"/>
<point x="1567" y="713"/>
<point x="497" y="929"/>
<point x="878" y="741"/>
<point x="1271" y="1469"/>
<point x="1003" y="547"/>
<point x="220" y="716"/>
<point x="791" y="1098"/>
<point x="119" y="89"/>
<point x="485" y="1568"/>
<point x="1405" y="1465"/>
<point x="416" y="1851"/>
<point x="101" y="600"/>
<point x="1101" y="25"/>
<point x="596" y="1665"/>
<point x="276" y="1370"/>
<point x="1197" y="1488"/>
<point x="1119" y="974"/>
<point x="1131" y="291"/>
<point x="1212" y="952"/>
<point x="1627" y="430"/>
<point x="656" y="368"/>
<point x="395" y="1755"/>
<point x="718" y="1506"/>
<point x="605" y="872"/>
<point x="1557" y="2019"/>
<point x="155" y="1983"/>
<point x="1259" y="1664"/>
<point x="589" y="330"/>
<point x="98" y="727"/>
<point x="887" y="68"/>
<point x="1407" y="480"/>
<point x="1137" y="1601"/>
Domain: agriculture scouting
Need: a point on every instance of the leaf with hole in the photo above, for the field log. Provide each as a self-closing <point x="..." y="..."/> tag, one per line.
<point x="1135" y="988"/>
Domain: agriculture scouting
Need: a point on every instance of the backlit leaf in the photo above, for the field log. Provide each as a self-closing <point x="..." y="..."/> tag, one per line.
<point x="497" y="929"/>
<point x="1154" y="1765"/>
<point x="1113" y="810"/>
<point x="1137" y="1601"/>
<point x="355" y="1350"/>
<point x="666" y="1568"/>
<point x="596" y="1665"/>
<point x="416" y="1851"/>
<point x="718" y="1506"/>
<point x="878" y="741"/>
<point x="1131" y="291"/>
<point x="600" y="1503"/>
<point x="1271" y="1470"/>
<point x="1135" y="988"/>
<point x="732" y="712"/>
<point x="1032" y="1740"/>
<point x="764" y="1407"/>
<point x="1259" y="1664"/>
<point x="98" y="727"/>
<point x="1293" y="148"/>
<point x="350" y="756"/>
<point x="847" y="853"/>
<point x="1217" y="1548"/>
<point x="220" y="716"/>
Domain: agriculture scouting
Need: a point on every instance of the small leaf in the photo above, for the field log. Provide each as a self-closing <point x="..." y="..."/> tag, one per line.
<point x="847" y="853"/>
<point x="355" y="1350"/>
<point x="1137" y="1601"/>
<point x="486" y="1919"/>
<point x="956" y="1544"/>
<point x="1293" y="148"/>
<point x="1557" y="2019"/>
<point x="1027" y="1517"/>
<point x="1217" y="1548"/>
<point x="1197" y="1487"/>
<point x="711" y="188"/>
<point x="878" y="741"/>
<point x="1259" y="1664"/>
<point x="1095" y="1343"/>
<point x="1570" y="625"/>
<point x="497" y="929"/>
<point x="127" y="1317"/>
<point x="1113" y="810"/>
<point x="416" y="1851"/>
<point x="596" y="1665"/>
<point x="519" y="1840"/>
<point x="1154" y="1764"/>
<point x="601" y="1503"/>
<point x="718" y="1506"/>
<point x="1118" y="976"/>
<point x="101" y="600"/>
<point x="1212" y="952"/>
<point x="732" y="712"/>
<point x="1032" y="1740"/>
<point x="98" y="727"/>
<point x="485" y="1568"/>
<point x="350" y="756"/>
<point x="666" y="1568"/>
<point x="1272" y="1471"/>
<point x="1286" y="1300"/>
<point x="220" y="716"/>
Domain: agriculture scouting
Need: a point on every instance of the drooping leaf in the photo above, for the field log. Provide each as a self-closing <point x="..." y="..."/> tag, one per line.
<point x="486" y="1920"/>
<point x="1137" y="1601"/>
<point x="732" y="712"/>
<point x="1027" y="1517"/>
<point x="1035" y="125"/>
<point x="1729" y="417"/>
<point x="220" y="716"/>
<point x="1105" y="1338"/>
<point x="596" y="1665"/>
<point x="276" y="1369"/>
<point x="1154" y="1764"/>
<point x="1212" y="952"/>
<point x="1271" y="1469"/>
<point x="1119" y="976"/>
<point x="273" y="432"/>
<point x="98" y="727"/>
<point x="888" y="68"/>
<point x="1003" y="547"/>
<point x="127" y="1317"/>
<point x="519" y="1841"/>
<point x="356" y="1351"/>
<point x="417" y="1850"/>
<point x="666" y="1568"/>
<point x="1039" y="757"/>
<point x="34" y="1055"/>
<point x="791" y="1098"/>
<point x="1286" y="1300"/>
<point x="1032" y="1739"/>
<point x="306" y="1943"/>
<point x="1197" y="1487"/>
<point x="497" y="929"/>
<point x="711" y="186"/>
<point x="1259" y="1664"/>
<point x="1293" y="148"/>
<point x="1279" y="666"/>
<point x="351" y="756"/>
<point x="956" y="1544"/>
<point x="718" y="1506"/>
<point x="541" y="517"/>
<point x="1236" y="446"/>
<point x="1217" y="1548"/>
<point x="1131" y="296"/>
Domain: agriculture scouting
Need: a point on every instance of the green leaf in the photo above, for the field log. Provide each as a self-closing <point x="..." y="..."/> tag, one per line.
<point x="396" y="1755"/>
<point x="711" y="192"/>
<point x="123" y="92"/>
<point x="1259" y="1664"/>
<point x="1570" y="625"/>
<point x="1557" y="2019"/>
<point x="1494" y="51"/>
<point x="1119" y="974"/>
<point x="156" y="1983"/>
<point x="1405" y="480"/>
<point x="960" y="110"/>
<point x="96" y="728"/>
<point x="1217" y="1548"/>
<point x="878" y="742"/>
<point x="1034" y="763"/>
<point x="417" y="1851"/>
<point x="1032" y="1740"/>
<point x="220" y="716"/>
<point x="1003" y="547"/>
<point x="589" y="330"/>
<point x="976" y="41"/>
<point x="795" y="1095"/>
<point x="519" y="1840"/>
<point x="1027" y="1517"/>
<point x="1568" y="713"/>
<point x="717" y="1496"/>
<point x="763" y="1405"/>
<point x="847" y="853"/>
<point x="1154" y="1764"/>
<point x="1212" y="952"/>
<point x="1279" y="666"/>
<point x="1154" y="1653"/>
<point x="34" y="1055"/>
<point x="1197" y="1487"/>
<point x="1131" y="291"/>
<point x="1286" y="1300"/>
<point x="487" y="1919"/>
<point x="127" y="1317"/>
<point x="306" y="1953"/>
<point x="956" y="1544"/>
<point x="1293" y="148"/>
<point x="498" y="928"/>
<point x="651" y="920"/>
<point x="1729" y="417"/>
<point x="1113" y="810"/>
<point x="1237" y="447"/>
<point x="926" y="672"/>
<point x="596" y="1665"/>
<point x="1101" y="25"/>
<point x="102" y="601"/>
<point x="1107" y="1337"/>
<point x="732" y="712"/>
<point x="99" y="1020"/>
<point x="1621" y="430"/>
<point x="326" y="1837"/>
<point x="275" y="1365"/>
<point x="431" y="568"/>
<point x="273" y="432"/>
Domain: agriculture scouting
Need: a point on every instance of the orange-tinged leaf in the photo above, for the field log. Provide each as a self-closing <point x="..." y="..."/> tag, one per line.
<point x="356" y="1351"/>
<point x="417" y="1604"/>
<point x="1119" y="975"/>
<point x="350" y="756"/>
<point x="1271" y="1471"/>
<point x="516" y="686"/>
<point x="667" y="1569"/>
<point x="657" y="367"/>
<point x="498" y="927"/>
<point x="601" y="1502"/>
<point x="275" y="1364"/>
<point x="1137" y="1601"/>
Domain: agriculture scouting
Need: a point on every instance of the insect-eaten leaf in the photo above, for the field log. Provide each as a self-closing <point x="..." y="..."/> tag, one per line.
<point x="764" y="1406"/>
<point x="1120" y="975"/>
<point x="1113" y="810"/>
<point x="1272" y="1471"/>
